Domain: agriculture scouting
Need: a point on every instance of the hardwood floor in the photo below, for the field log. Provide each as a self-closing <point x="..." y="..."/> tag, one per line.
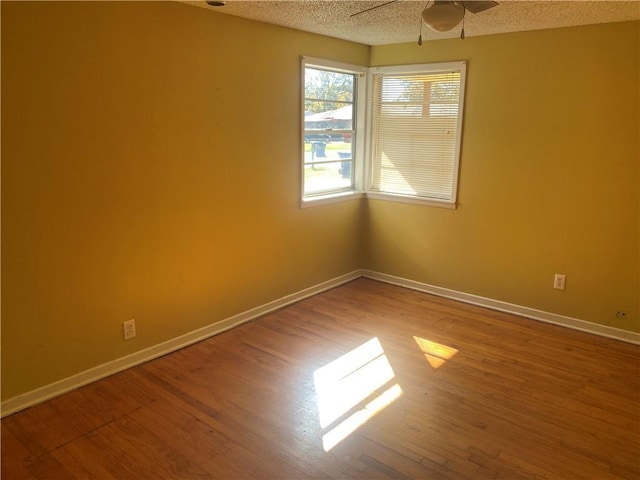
<point x="393" y="383"/>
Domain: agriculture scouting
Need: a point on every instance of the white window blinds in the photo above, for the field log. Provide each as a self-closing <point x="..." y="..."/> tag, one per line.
<point x="416" y="129"/>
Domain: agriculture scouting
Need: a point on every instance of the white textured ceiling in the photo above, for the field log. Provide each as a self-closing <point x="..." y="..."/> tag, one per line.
<point x="400" y="21"/>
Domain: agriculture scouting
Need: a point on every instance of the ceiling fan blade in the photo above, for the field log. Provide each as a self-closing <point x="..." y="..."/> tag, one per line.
<point x="477" y="6"/>
<point x="372" y="8"/>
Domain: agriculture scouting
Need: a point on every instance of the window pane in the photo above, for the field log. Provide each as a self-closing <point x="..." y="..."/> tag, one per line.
<point x="328" y="85"/>
<point x="327" y="177"/>
<point x="329" y="122"/>
<point x="415" y="133"/>
<point x="328" y="166"/>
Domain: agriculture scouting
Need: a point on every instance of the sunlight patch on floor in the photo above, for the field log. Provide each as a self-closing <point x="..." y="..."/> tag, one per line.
<point x="346" y="383"/>
<point x="359" y="418"/>
<point x="435" y="353"/>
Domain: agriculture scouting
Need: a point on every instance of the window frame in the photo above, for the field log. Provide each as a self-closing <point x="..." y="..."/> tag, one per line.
<point x="356" y="190"/>
<point x="426" y="68"/>
<point x="362" y="128"/>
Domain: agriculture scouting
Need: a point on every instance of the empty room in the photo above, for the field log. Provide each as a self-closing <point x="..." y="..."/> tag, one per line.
<point x="320" y="239"/>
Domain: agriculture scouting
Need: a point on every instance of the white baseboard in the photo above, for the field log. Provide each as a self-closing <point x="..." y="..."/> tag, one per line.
<point x="39" y="395"/>
<point x="28" y="399"/>
<point x="569" y="322"/>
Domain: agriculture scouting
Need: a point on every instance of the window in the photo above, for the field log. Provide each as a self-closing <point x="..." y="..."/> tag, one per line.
<point x="332" y="121"/>
<point x="414" y="127"/>
<point x="416" y="119"/>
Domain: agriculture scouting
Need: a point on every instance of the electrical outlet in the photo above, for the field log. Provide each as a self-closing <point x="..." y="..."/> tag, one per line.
<point x="129" y="329"/>
<point x="621" y="315"/>
<point x="559" y="281"/>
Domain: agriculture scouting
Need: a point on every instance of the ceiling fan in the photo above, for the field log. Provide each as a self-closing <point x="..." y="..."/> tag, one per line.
<point x="443" y="15"/>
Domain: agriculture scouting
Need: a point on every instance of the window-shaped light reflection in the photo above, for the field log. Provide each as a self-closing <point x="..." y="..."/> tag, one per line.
<point x="359" y="418"/>
<point x="345" y="383"/>
<point x="435" y="353"/>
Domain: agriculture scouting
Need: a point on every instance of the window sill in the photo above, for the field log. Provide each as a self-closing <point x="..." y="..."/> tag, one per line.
<point x="414" y="200"/>
<point x="387" y="197"/>
<point x="330" y="198"/>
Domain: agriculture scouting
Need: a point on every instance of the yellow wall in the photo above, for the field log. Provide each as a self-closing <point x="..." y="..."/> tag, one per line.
<point x="150" y="171"/>
<point x="150" y="165"/>
<point x="549" y="179"/>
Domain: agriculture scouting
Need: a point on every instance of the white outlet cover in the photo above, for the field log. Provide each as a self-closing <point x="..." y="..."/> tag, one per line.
<point x="559" y="281"/>
<point x="129" y="329"/>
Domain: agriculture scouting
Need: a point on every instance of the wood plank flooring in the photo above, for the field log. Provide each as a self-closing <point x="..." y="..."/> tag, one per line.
<point x="363" y="381"/>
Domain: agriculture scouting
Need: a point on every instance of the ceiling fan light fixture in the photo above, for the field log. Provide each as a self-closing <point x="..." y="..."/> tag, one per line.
<point x="443" y="16"/>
